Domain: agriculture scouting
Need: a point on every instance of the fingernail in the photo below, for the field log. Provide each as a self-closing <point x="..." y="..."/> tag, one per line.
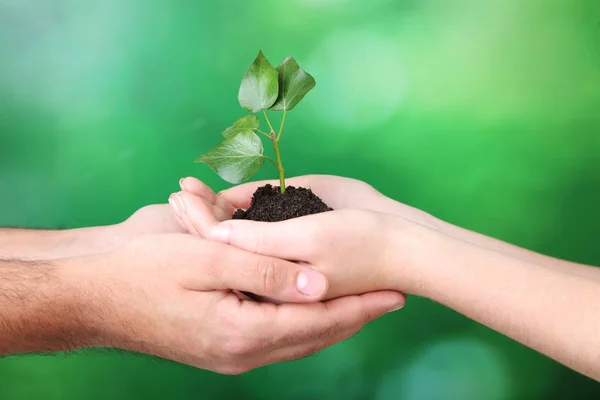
<point x="221" y="233"/>
<point x="174" y="205"/>
<point x="398" y="307"/>
<point x="310" y="283"/>
<point x="181" y="203"/>
<point x="181" y="184"/>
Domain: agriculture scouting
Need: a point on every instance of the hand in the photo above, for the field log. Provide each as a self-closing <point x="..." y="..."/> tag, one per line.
<point x="358" y="250"/>
<point x="338" y="192"/>
<point x="152" y="219"/>
<point x="169" y="295"/>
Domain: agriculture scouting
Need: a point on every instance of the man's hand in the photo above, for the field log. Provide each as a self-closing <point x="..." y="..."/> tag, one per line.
<point x="171" y="295"/>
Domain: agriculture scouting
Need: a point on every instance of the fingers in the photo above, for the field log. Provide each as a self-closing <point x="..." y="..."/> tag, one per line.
<point x="223" y="208"/>
<point x="323" y="320"/>
<point x="301" y="330"/>
<point x="197" y="214"/>
<point x="225" y="268"/>
<point x="197" y="187"/>
<point x="291" y="239"/>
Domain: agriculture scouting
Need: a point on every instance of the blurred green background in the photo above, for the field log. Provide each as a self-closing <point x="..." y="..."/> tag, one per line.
<point x="484" y="113"/>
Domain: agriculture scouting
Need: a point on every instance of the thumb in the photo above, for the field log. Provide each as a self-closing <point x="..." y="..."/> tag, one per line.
<point x="272" y="278"/>
<point x="290" y="240"/>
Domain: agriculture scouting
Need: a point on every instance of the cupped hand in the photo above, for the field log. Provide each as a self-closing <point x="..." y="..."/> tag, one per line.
<point x="337" y="192"/>
<point x="172" y="296"/>
<point x="358" y="250"/>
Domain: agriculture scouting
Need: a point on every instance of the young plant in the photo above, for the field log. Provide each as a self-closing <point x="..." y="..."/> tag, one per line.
<point x="264" y="87"/>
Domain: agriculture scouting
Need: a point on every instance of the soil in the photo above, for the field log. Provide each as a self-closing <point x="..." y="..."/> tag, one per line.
<point x="269" y="205"/>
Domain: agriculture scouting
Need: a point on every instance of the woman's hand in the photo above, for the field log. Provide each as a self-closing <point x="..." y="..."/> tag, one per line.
<point x="358" y="250"/>
<point x="338" y="192"/>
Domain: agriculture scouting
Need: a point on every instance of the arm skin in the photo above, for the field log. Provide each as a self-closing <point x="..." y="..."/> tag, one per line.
<point x="390" y="206"/>
<point x="32" y="244"/>
<point x="534" y="299"/>
<point x="492" y="244"/>
<point x="40" y="309"/>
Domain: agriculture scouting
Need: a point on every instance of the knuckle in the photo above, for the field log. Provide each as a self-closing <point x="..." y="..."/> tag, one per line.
<point x="272" y="277"/>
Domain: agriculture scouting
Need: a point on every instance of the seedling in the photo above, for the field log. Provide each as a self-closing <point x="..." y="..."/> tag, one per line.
<point x="264" y="88"/>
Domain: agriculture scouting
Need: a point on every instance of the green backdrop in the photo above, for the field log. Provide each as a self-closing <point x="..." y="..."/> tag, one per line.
<point x="484" y="113"/>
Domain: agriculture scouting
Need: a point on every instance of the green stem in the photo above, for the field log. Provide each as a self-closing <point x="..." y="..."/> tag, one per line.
<point x="282" y="124"/>
<point x="272" y="162"/>
<point x="275" y="140"/>
<point x="279" y="165"/>
<point x="268" y="122"/>
<point x="263" y="133"/>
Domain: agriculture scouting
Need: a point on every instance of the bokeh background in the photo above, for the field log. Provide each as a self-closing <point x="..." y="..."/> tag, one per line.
<point x="483" y="113"/>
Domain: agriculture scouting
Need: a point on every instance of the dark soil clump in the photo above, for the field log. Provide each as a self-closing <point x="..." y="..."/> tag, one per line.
<point x="269" y="205"/>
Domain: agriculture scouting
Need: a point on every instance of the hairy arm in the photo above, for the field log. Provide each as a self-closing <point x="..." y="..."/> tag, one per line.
<point x="39" y="308"/>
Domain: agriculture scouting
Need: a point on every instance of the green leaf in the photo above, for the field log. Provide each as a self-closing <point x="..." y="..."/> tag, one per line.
<point x="294" y="83"/>
<point x="244" y="124"/>
<point x="237" y="158"/>
<point x="260" y="86"/>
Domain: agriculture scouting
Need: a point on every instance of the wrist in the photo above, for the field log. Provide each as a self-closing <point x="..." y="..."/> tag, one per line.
<point x="412" y="260"/>
<point x="390" y="206"/>
<point x="33" y="244"/>
<point x="89" y="241"/>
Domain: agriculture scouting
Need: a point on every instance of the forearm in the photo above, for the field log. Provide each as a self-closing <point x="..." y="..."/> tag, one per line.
<point x="486" y="242"/>
<point x="584" y="271"/>
<point x="32" y="244"/>
<point x="40" y="308"/>
<point x="551" y="311"/>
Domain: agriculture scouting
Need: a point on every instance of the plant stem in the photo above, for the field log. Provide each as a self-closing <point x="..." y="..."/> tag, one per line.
<point x="275" y="140"/>
<point x="268" y="122"/>
<point x="282" y="124"/>
<point x="263" y="133"/>
<point x="279" y="164"/>
<point x="272" y="162"/>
